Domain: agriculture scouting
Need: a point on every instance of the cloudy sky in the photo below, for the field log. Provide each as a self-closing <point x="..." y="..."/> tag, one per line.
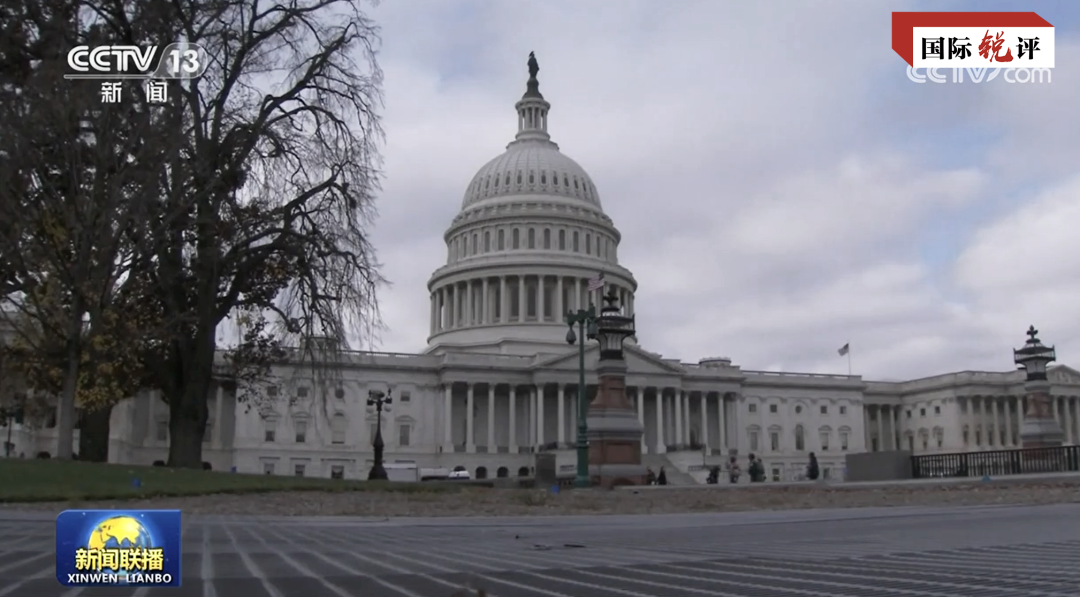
<point x="781" y="186"/>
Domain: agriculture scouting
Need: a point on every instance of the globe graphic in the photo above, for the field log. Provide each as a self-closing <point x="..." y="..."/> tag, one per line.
<point x="119" y="532"/>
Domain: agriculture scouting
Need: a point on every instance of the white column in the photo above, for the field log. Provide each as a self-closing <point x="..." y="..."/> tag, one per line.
<point x="677" y="397"/>
<point x="448" y="423"/>
<point x="630" y="303"/>
<point x="532" y="418"/>
<point x="539" y="414"/>
<point x="560" y="308"/>
<point x="431" y="325"/>
<point x="219" y="407"/>
<point x="485" y="304"/>
<point x="705" y="420"/>
<point x="995" y="408"/>
<point x="504" y="301"/>
<point x="1076" y="414"/>
<point x="491" y="419"/>
<point x="470" y="410"/>
<point x="660" y="447"/>
<point x="721" y="422"/>
<point x="639" y="403"/>
<point x="541" y="299"/>
<point x="880" y="429"/>
<point x="1020" y="416"/>
<point x="894" y="412"/>
<point x="577" y="293"/>
<point x="521" y="298"/>
<point x="562" y="414"/>
<point x="513" y="420"/>
<point x="456" y="303"/>
<point x="470" y="310"/>
<point x="1010" y="437"/>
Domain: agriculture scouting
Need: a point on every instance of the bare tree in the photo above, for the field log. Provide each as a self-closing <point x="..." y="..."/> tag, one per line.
<point x="264" y="205"/>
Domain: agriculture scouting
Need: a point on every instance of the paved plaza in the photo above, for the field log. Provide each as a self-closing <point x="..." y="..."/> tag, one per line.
<point x="999" y="551"/>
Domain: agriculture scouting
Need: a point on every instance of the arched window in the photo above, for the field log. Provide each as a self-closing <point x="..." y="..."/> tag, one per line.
<point x="338" y="426"/>
<point x="502" y="239"/>
<point x="523" y="471"/>
<point x="800" y="438"/>
<point x="475" y="243"/>
<point x="588" y="244"/>
<point x="502" y="472"/>
<point x="481" y="472"/>
<point x="487" y="241"/>
<point x="532" y="238"/>
<point x="577" y="246"/>
<point x="562" y="240"/>
<point x="515" y="240"/>
<point x="547" y="238"/>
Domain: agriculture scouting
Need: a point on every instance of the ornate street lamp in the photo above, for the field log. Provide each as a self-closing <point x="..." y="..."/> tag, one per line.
<point x="613" y="327"/>
<point x="1034" y="356"/>
<point x="1040" y="428"/>
<point x="380" y="401"/>
<point x="585" y="320"/>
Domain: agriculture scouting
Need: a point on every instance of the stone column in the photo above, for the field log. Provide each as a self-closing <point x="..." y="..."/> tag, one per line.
<point x="577" y="294"/>
<point x="434" y="300"/>
<point x="521" y="299"/>
<point x="660" y="447"/>
<point x="540" y="415"/>
<point x="485" y="304"/>
<point x="894" y="412"/>
<point x="1010" y="437"/>
<point x="676" y="399"/>
<point x="1076" y="414"/>
<point x="561" y="408"/>
<point x="448" y="423"/>
<point x="705" y="422"/>
<point x="999" y="435"/>
<point x="470" y="310"/>
<point x="880" y="428"/>
<point x="614" y="432"/>
<point x="560" y="308"/>
<point x="457" y="308"/>
<point x="492" y="448"/>
<point x="541" y="298"/>
<point x="470" y="415"/>
<point x="513" y="420"/>
<point x="532" y="419"/>
<point x="721" y="422"/>
<point x="639" y="404"/>
<point x="504" y="301"/>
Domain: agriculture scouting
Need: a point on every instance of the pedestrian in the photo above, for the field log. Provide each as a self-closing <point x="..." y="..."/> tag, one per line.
<point x="650" y="476"/>
<point x="734" y="470"/>
<point x="661" y="479"/>
<point x="812" y="469"/>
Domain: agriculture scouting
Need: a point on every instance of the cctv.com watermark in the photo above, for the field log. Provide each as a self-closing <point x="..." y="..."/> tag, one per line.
<point x="978" y="75"/>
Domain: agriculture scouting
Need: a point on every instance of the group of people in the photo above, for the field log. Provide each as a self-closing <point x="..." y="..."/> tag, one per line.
<point x="756" y="469"/>
<point x="652" y="478"/>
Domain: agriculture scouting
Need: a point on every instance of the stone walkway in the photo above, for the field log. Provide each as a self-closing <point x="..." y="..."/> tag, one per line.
<point x="1004" y="551"/>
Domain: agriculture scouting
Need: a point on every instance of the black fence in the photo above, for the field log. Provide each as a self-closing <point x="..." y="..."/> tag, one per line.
<point x="997" y="463"/>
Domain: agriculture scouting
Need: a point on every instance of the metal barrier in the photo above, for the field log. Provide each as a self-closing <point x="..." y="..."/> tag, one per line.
<point x="997" y="462"/>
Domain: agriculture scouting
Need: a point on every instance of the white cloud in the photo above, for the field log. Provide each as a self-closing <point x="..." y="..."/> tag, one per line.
<point x="773" y="207"/>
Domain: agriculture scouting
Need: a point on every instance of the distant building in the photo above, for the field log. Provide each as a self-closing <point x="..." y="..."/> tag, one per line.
<point x="497" y="382"/>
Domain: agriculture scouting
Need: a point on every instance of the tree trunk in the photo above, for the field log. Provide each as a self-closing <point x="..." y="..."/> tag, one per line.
<point x="65" y="408"/>
<point x="94" y="427"/>
<point x="188" y="410"/>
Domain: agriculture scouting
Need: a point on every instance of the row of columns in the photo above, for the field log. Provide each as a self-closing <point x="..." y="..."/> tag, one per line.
<point x="671" y="425"/>
<point x="490" y="300"/>
<point x="985" y="422"/>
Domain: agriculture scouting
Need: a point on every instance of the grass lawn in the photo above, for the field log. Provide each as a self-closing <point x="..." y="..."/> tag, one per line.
<point x="33" y="480"/>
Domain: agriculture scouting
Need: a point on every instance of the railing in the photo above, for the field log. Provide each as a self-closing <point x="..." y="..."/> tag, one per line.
<point x="997" y="463"/>
<point x="786" y="374"/>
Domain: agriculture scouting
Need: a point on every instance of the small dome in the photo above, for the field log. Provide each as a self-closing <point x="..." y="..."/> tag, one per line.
<point x="531" y="167"/>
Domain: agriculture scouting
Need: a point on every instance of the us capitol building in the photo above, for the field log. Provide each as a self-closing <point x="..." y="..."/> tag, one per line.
<point x="497" y="382"/>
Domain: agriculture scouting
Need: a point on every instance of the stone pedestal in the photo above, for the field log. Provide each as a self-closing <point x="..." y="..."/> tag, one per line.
<point x="1040" y="429"/>
<point x="614" y="431"/>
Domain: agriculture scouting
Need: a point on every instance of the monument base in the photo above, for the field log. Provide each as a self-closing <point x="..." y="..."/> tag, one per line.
<point x="614" y="431"/>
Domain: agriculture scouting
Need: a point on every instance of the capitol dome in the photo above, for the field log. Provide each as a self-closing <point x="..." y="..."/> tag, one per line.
<point x="530" y="236"/>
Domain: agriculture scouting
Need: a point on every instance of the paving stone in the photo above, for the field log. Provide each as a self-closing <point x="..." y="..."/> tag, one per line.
<point x="1004" y="551"/>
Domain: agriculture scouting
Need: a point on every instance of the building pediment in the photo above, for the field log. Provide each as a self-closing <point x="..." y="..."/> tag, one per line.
<point x="1063" y="375"/>
<point x="638" y="362"/>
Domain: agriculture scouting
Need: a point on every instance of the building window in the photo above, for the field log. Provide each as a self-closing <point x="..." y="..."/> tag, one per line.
<point x="752" y="408"/>
<point x="825" y="441"/>
<point x="937" y="410"/>
<point x="532" y="238"/>
<point x="939" y="437"/>
<point x="547" y="238"/>
<point x="268" y="468"/>
<point x="403" y="435"/>
<point x="338" y="426"/>
<point x="922" y="412"/>
<point x="269" y="431"/>
<point x="588" y="244"/>
<point x="577" y="247"/>
<point x="800" y="440"/>
<point x="515" y="239"/>
<point x="773" y="408"/>
<point x="339" y="394"/>
<point x="301" y="431"/>
<point x="475" y="243"/>
<point x="301" y="392"/>
<point x="824" y="410"/>
<point x="978" y="437"/>
<point x="404" y="397"/>
<point x="774" y="441"/>
<point x="272" y="391"/>
<point x="501" y="242"/>
<point x="754" y="447"/>
<point x="798" y="410"/>
<point x="337" y="471"/>
<point x="843" y="410"/>
<point x="163" y="431"/>
<point x="562" y="240"/>
<point x="925" y="443"/>
<point x="298" y="469"/>
<point x="208" y="432"/>
<point x="911" y="443"/>
<point x="908" y="413"/>
<point x="844" y="441"/>
<point x="776" y="475"/>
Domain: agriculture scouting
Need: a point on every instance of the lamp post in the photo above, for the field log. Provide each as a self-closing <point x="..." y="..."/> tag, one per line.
<point x="585" y="320"/>
<point x="378" y="400"/>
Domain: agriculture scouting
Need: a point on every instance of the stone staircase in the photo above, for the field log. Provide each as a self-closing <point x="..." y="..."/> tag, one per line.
<point x="674" y="475"/>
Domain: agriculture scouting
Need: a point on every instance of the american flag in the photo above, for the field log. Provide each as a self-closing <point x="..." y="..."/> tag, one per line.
<point x="596" y="283"/>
